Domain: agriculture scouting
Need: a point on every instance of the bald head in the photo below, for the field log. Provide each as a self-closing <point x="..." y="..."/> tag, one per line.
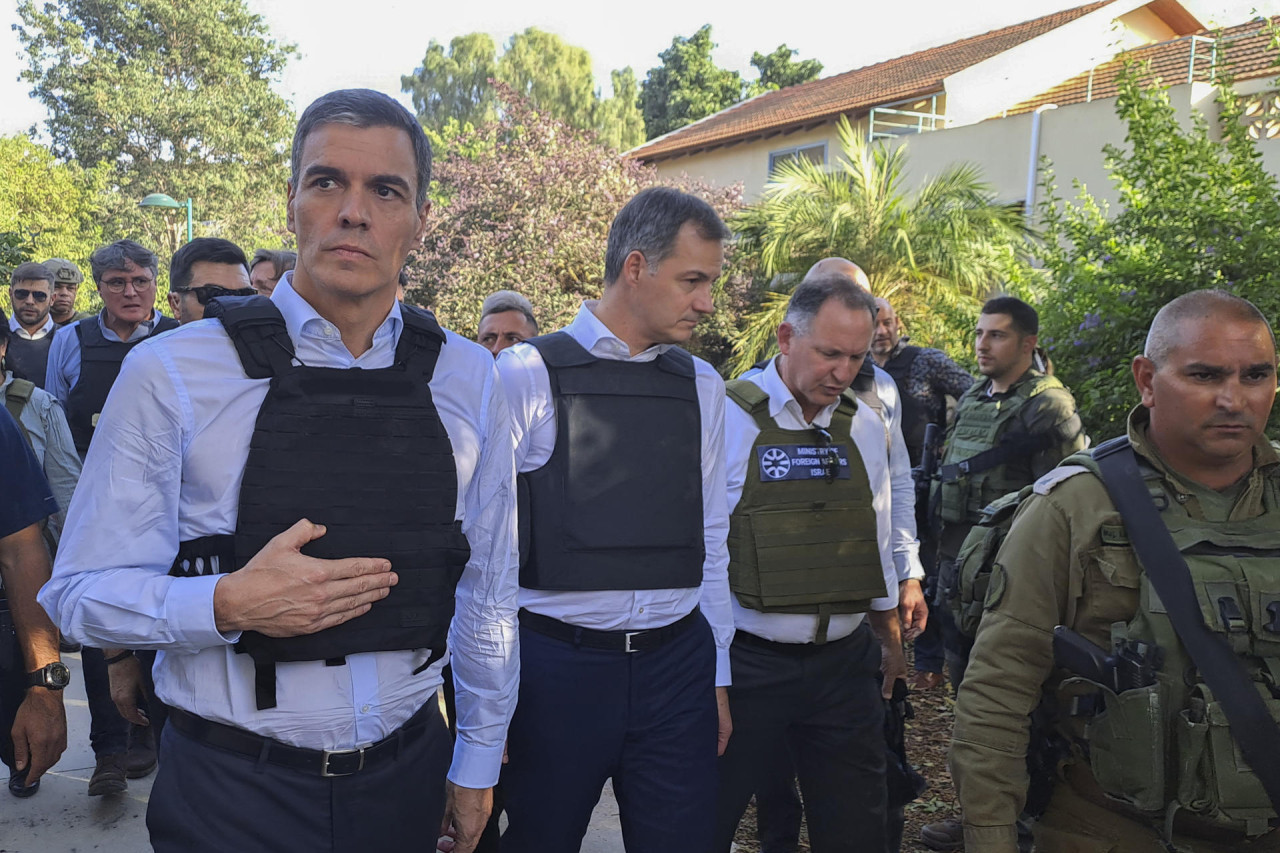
<point x="1200" y="305"/>
<point x="840" y="266"/>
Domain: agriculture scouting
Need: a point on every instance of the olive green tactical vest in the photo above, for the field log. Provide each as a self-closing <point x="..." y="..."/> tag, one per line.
<point x="798" y="541"/>
<point x="980" y="425"/>
<point x="16" y="397"/>
<point x="1168" y="747"/>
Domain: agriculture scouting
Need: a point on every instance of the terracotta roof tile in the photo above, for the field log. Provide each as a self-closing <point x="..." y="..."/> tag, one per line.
<point x="909" y="76"/>
<point x="1246" y="48"/>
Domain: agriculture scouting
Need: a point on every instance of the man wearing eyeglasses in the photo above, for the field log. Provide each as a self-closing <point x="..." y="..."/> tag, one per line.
<point x="84" y="362"/>
<point x="812" y="571"/>
<point x="31" y="328"/>
<point x="203" y="269"/>
<point x="85" y="357"/>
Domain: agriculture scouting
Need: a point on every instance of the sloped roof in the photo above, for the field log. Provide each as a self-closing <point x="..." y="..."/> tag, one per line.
<point x="1243" y="49"/>
<point x="914" y="75"/>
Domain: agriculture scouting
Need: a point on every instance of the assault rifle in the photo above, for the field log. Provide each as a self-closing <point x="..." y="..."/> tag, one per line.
<point x="926" y="472"/>
<point x="1131" y="664"/>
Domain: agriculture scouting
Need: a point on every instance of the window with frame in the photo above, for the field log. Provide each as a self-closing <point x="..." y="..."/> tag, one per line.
<point x="814" y="153"/>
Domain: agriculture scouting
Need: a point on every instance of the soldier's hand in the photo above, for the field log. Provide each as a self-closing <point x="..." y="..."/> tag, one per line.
<point x="126" y="686"/>
<point x="466" y="812"/>
<point x="282" y="592"/>
<point x="39" y="732"/>
<point x="912" y="609"/>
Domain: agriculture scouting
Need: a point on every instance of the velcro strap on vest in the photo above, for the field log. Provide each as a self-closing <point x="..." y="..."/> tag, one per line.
<point x="1014" y="447"/>
<point x="256" y="327"/>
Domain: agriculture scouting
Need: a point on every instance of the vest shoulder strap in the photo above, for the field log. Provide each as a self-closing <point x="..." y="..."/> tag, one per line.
<point x="16" y="397"/>
<point x="89" y="333"/>
<point x="164" y="324"/>
<point x="559" y="349"/>
<point x="420" y="340"/>
<point x="256" y="327"/>
<point x="752" y="399"/>
<point x="1250" y="723"/>
<point x="1042" y="383"/>
<point x="677" y="361"/>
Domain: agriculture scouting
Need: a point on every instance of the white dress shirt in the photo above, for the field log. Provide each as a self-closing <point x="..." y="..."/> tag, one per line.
<point x="867" y="432"/>
<point x="906" y="545"/>
<point x="166" y="466"/>
<point x="18" y="329"/>
<point x="533" y="413"/>
<point x="63" y="371"/>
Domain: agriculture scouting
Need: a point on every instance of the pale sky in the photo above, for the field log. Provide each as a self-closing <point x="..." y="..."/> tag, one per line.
<point x="372" y="42"/>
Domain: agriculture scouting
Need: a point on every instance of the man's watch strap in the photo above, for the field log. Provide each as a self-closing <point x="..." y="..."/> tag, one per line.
<point x="54" y="676"/>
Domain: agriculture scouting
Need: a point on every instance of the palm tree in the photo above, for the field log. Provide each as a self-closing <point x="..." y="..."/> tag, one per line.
<point x="947" y="245"/>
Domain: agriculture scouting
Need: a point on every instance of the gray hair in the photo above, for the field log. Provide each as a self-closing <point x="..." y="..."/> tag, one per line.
<point x="508" y="300"/>
<point x="650" y="223"/>
<point x="364" y="108"/>
<point x="116" y="255"/>
<point x="814" y="292"/>
<point x="281" y="260"/>
<point x="1164" y="334"/>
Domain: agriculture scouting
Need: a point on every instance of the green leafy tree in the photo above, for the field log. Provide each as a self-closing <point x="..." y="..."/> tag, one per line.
<point x="48" y="209"/>
<point x="531" y="212"/>
<point x="1194" y="212"/>
<point x="619" y="121"/>
<point x="552" y="75"/>
<point x="935" y="253"/>
<point x="454" y="85"/>
<point x="780" y="69"/>
<point x="174" y="96"/>
<point x="687" y="86"/>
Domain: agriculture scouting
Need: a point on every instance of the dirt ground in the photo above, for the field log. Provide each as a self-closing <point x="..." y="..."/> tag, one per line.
<point x="928" y="737"/>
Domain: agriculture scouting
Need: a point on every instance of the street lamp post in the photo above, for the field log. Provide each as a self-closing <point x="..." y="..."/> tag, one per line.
<point x="162" y="200"/>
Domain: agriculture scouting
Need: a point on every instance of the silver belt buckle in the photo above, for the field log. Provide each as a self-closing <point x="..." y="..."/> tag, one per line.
<point x="329" y="753"/>
<point x="627" y="647"/>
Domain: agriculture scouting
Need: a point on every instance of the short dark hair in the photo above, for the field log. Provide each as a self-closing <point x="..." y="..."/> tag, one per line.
<point x="650" y="223"/>
<point x="114" y="256"/>
<point x="814" y="292"/>
<point x="364" y="108"/>
<point x="1026" y="321"/>
<point x="212" y="249"/>
<point x="281" y="260"/>
<point x="31" y="271"/>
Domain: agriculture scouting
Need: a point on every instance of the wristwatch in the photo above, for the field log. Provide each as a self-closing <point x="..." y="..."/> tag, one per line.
<point x="54" y="676"/>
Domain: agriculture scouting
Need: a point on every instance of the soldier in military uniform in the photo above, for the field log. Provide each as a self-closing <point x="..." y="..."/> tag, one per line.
<point x="1008" y="431"/>
<point x="1139" y="777"/>
<point x="66" y="284"/>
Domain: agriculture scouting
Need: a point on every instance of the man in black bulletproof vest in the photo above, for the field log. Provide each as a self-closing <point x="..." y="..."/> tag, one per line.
<point x="316" y="492"/>
<point x="625" y="620"/>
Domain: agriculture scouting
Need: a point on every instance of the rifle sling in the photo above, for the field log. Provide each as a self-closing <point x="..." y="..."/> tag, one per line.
<point x="1250" y="723"/>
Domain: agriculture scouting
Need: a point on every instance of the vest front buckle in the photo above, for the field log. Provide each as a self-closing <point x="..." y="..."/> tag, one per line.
<point x="627" y="640"/>
<point x="345" y="765"/>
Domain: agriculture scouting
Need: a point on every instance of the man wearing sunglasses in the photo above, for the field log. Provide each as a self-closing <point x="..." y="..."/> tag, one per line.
<point x="811" y="566"/>
<point x="205" y="268"/>
<point x="30" y="328"/>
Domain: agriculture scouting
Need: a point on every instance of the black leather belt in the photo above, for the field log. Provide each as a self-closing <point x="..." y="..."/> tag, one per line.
<point x="610" y="641"/>
<point x="314" y="762"/>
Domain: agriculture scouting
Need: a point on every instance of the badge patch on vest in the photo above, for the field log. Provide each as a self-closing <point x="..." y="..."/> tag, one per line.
<point x="779" y="462"/>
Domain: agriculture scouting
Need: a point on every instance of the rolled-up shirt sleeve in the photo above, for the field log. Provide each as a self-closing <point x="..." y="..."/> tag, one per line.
<point x="110" y="584"/>
<point x="484" y="637"/>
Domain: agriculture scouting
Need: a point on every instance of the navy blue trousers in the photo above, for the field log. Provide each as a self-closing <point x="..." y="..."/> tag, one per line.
<point x="208" y="800"/>
<point x="108" y="731"/>
<point x="646" y="720"/>
<point x="820" y="707"/>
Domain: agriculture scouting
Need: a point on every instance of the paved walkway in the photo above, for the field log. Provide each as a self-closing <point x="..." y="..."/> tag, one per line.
<point x="63" y="818"/>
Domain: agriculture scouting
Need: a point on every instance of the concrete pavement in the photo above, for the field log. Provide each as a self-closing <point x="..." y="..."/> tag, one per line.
<point x="63" y="818"/>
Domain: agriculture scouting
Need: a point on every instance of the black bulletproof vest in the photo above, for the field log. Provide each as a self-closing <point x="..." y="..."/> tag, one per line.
<point x="99" y="366"/>
<point x="619" y="503"/>
<point x="362" y="452"/>
<point x="915" y="417"/>
<point x="29" y="359"/>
